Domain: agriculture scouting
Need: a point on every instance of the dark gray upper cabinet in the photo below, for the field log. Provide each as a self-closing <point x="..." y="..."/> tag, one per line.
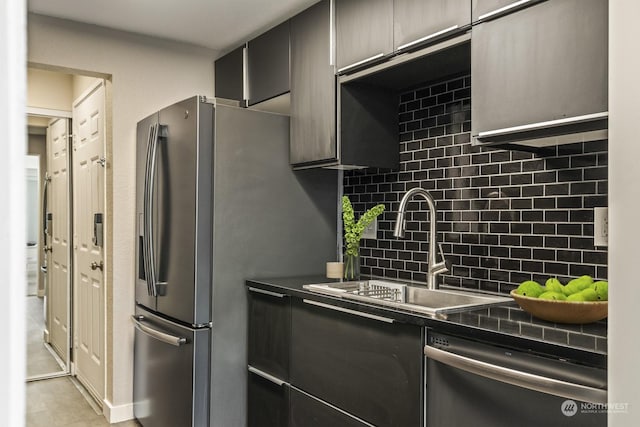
<point x="418" y="22"/>
<point x="490" y="9"/>
<point x="364" y="32"/>
<point x="313" y="98"/>
<point x="268" y="64"/>
<point x="229" y="75"/>
<point x="541" y="73"/>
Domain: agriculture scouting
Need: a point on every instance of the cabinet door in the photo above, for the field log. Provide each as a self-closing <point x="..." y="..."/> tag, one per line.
<point x="313" y="99"/>
<point x="495" y="8"/>
<point x="542" y="63"/>
<point x="366" y="367"/>
<point x="267" y="403"/>
<point x="364" y="31"/>
<point x="268" y="64"/>
<point x="307" y="411"/>
<point x="417" y="22"/>
<point x="229" y="75"/>
<point x="269" y="332"/>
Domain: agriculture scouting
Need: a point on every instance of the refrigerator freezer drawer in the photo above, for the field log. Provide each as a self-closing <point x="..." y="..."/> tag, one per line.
<point x="171" y="372"/>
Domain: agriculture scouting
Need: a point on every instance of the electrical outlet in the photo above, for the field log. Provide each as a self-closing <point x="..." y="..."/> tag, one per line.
<point x="600" y="226"/>
<point x="371" y="232"/>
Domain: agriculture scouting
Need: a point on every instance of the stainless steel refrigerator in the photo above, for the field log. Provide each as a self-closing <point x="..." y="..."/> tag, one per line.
<point x="216" y="203"/>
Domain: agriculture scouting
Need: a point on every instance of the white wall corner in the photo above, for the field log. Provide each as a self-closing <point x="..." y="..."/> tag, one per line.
<point x="117" y="414"/>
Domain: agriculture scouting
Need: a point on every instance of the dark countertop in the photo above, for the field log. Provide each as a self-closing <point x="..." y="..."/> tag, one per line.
<point x="505" y="325"/>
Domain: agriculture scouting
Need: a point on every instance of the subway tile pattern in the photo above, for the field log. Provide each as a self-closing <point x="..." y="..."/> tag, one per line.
<point x="512" y="320"/>
<point x="503" y="216"/>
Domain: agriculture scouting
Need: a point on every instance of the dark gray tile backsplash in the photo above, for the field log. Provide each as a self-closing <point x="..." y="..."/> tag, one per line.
<point x="503" y="216"/>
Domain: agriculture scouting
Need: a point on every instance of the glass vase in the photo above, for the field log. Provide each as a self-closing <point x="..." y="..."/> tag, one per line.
<point x="352" y="266"/>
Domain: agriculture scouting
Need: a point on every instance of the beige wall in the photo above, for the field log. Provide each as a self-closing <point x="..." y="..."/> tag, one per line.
<point x="49" y="90"/>
<point x="55" y="90"/>
<point x="146" y="74"/>
<point x="82" y="83"/>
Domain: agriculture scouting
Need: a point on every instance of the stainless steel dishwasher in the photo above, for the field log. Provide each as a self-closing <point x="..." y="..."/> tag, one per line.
<point x="471" y="383"/>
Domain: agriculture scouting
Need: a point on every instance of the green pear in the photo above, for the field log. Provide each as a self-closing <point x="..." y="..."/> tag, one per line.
<point x="582" y="282"/>
<point x="602" y="289"/>
<point x="554" y="285"/>
<point x="589" y="294"/>
<point x="576" y="285"/>
<point x="576" y="297"/>
<point x="550" y="295"/>
<point x="530" y="288"/>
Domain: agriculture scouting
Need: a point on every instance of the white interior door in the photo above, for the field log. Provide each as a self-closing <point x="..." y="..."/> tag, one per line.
<point x="88" y="204"/>
<point x="58" y="277"/>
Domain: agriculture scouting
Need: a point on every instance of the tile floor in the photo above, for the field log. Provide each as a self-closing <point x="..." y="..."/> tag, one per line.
<point x="58" y="402"/>
<point x="40" y="361"/>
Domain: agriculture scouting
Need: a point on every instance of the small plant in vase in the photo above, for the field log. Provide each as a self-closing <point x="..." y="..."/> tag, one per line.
<point x="352" y="235"/>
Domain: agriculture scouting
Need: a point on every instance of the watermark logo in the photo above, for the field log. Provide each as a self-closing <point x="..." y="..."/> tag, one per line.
<point x="569" y="408"/>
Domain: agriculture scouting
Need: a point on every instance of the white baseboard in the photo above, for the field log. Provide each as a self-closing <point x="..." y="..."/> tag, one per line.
<point x="117" y="414"/>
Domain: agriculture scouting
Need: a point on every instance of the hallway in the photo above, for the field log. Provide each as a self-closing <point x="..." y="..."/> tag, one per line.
<point x="58" y="402"/>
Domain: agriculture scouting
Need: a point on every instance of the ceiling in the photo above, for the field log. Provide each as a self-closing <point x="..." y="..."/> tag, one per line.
<point x="215" y="24"/>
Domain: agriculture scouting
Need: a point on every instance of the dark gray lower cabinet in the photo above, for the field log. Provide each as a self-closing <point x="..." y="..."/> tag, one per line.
<point x="314" y="364"/>
<point x="309" y="412"/>
<point x="369" y="367"/>
<point x="269" y="332"/>
<point x="268" y="403"/>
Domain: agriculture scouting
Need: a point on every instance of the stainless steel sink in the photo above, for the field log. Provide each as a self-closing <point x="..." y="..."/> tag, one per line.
<point x="435" y="302"/>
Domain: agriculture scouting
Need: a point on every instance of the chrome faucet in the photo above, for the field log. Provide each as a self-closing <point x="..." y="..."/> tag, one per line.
<point x="434" y="268"/>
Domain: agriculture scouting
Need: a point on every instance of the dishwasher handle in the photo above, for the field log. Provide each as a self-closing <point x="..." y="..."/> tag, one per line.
<point x="518" y="378"/>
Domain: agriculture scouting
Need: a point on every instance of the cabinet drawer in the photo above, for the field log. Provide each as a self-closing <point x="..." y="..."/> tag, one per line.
<point x="267" y="403"/>
<point x="269" y="332"/>
<point x="366" y="367"/>
<point x="307" y="411"/>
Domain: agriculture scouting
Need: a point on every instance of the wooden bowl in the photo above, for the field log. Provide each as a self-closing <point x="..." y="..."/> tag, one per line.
<point x="575" y="312"/>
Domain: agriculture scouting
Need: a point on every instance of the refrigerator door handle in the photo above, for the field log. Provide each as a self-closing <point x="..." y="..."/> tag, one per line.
<point x="149" y="188"/>
<point x="156" y="334"/>
<point x="145" y="243"/>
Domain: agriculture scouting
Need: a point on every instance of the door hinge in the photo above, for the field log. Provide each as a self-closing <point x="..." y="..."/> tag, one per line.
<point x="72" y="137"/>
<point x="102" y="161"/>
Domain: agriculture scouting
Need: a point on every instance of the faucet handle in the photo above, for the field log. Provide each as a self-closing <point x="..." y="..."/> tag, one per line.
<point x="445" y="269"/>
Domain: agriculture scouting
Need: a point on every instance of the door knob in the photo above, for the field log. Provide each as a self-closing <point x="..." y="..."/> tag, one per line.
<point x="96" y="265"/>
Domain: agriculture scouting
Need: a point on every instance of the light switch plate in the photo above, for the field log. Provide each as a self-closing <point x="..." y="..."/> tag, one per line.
<point x="371" y="232"/>
<point x="600" y="226"/>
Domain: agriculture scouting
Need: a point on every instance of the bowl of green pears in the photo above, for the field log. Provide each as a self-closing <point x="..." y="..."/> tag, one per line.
<point x="581" y="300"/>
